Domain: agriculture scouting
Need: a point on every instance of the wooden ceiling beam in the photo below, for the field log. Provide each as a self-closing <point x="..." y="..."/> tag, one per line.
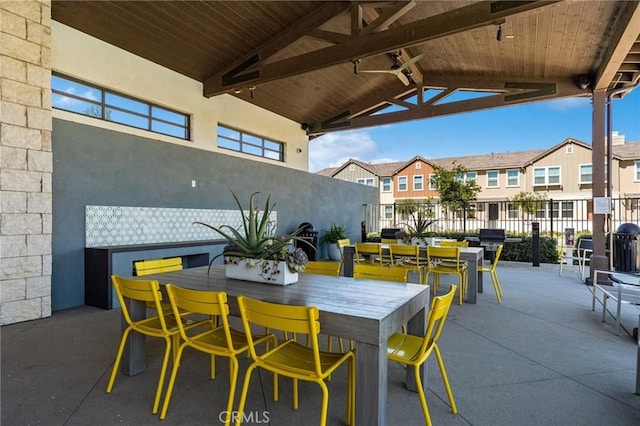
<point x="452" y="22"/>
<point x="627" y="32"/>
<point x="520" y="92"/>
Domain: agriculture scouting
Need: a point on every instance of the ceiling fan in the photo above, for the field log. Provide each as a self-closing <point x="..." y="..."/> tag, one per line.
<point x="399" y="69"/>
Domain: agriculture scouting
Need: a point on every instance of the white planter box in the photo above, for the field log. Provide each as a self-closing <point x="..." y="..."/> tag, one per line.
<point x="262" y="271"/>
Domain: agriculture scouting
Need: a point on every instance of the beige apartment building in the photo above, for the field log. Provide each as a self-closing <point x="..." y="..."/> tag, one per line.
<point x="562" y="173"/>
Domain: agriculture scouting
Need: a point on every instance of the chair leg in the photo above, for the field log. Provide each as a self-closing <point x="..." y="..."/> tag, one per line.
<point x="233" y="374"/>
<point x="172" y="381"/>
<point x="423" y="399"/>
<point x="163" y="372"/>
<point x="245" y="390"/>
<point x="325" y="403"/>
<point x="496" y="286"/>
<point x="116" y="363"/>
<point x="445" y="379"/>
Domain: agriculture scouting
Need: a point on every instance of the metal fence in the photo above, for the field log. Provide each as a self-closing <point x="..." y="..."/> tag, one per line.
<point x="554" y="216"/>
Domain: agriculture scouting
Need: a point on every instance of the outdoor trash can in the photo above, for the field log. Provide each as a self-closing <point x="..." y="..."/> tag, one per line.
<point x="626" y="248"/>
<point x="310" y="235"/>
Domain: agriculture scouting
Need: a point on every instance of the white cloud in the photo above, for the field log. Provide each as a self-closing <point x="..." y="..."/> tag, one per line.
<point x="567" y="103"/>
<point x="333" y="149"/>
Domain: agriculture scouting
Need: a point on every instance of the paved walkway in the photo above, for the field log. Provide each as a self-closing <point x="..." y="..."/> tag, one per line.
<point x="542" y="357"/>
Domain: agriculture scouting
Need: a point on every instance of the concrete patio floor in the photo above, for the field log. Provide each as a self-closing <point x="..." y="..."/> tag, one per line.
<point x="542" y="357"/>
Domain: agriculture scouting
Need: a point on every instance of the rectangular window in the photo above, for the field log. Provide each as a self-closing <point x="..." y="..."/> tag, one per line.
<point x="546" y="176"/>
<point x="637" y="171"/>
<point x="471" y="176"/>
<point x="492" y="179"/>
<point x="418" y="165"/>
<point x="417" y="183"/>
<point x="365" y="181"/>
<point x="567" y="209"/>
<point x="388" y="212"/>
<point x="386" y="184"/>
<point x="83" y="98"/>
<point x="432" y="184"/>
<point x="402" y="183"/>
<point x="247" y="143"/>
<point x="512" y="211"/>
<point x="586" y="175"/>
<point x="513" y="177"/>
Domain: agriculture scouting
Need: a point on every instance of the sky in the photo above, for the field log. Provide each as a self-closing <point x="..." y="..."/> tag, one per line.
<point x="509" y="129"/>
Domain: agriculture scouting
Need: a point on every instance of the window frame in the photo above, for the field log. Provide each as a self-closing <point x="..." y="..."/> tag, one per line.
<point x="415" y="180"/>
<point x="432" y="185"/>
<point x="104" y="110"/>
<point x="547" y="176"/>
<point x="365" y="181"/>
<point x="581" y="174"/>
<point x="490" y="180"/>
<point x="517" y="178"/>
<point x="248" y="139"/>
<point x="403" y="180"/>
<point x="387" y="184"/>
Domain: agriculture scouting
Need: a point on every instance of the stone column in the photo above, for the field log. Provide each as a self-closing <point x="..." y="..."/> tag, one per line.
<point x="26" y="162"/>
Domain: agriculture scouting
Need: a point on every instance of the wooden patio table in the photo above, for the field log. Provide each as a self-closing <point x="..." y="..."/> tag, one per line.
<point x="473" y="255"/>
<point x="365" y="311"/>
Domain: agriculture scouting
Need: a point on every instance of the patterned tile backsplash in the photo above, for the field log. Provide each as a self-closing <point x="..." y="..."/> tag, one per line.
<point x="118" y="226"/>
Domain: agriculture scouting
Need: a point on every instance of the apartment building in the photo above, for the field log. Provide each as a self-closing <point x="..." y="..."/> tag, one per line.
<point x="563" y="173"/>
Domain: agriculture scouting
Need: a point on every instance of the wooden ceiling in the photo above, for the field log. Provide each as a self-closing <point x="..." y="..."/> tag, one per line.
<point x="305" y="60"/>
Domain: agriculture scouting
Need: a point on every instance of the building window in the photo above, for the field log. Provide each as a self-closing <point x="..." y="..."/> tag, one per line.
<point x="365" y="181"/>
<point x="93" y="101"/>
<point x="402" y="183"/>
<point x="562" y="209"/>
<point x="386" y="184"/>
<point x="247" y="143"/>
<point x="418" y="165"/>
<point x="417" y="183"/>
<point x="546" y="176"/>
<point x="586" y="175"/>
<point x="471" y="176"/>
<point x="569" y="149"/>
<point x="432" y="184"/>
<point x="637" y="171"/>
<point x="513" y="177"/>
<point x="492" y="179"/>
<point x="512" y="211"/>
<point x="388" y="212"/>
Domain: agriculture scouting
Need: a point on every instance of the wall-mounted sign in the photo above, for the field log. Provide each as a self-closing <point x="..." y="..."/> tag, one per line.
<point x="602" y="205"/>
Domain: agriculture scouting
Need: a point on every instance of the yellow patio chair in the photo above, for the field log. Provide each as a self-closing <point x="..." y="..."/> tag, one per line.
<point x="453" y="243"/>
<point x="323" y="268"/>
<point x="222" y="340"/>
<point x="413" y="351"/>
<point x="291" y="359"/>
<point x="494" y="275"/>
<point x="407" y="257"/>
<point x="368" y="253"/>
<point x="162" y="326"/>
<point x="157" y="266"/>
<point x="382" y="273"/>
<point x="330" y="269"/>
<point x="445" y="261"/>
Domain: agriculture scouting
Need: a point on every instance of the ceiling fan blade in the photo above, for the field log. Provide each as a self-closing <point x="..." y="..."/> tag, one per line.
<point x="403" y="78"/>
<point x="411" y="61"/>
<point x="379" y="71"/>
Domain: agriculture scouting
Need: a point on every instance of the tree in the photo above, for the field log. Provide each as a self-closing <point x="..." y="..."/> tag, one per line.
<point x="456" y="192"/>
<point x="528" y="203"/>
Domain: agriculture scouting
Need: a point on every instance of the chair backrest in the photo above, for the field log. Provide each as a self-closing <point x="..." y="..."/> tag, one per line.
<point x="435" y="321"/>
<point x="452" y="254"/>
<point x="274" y="316"/>
<point x="140" y="290"/>
<point x="388" y="240"/>
<point x="584" y="244"/>
<point x="370" y="249"/>
<point x="156" y="266"/>
<point x="400" y="252"/>
<point x="323" y="268"/>
<point x="453" y="243"/>
<point x="341" y="244"/>
<point x="209" y="303"/>
<point x="380" y="273"/>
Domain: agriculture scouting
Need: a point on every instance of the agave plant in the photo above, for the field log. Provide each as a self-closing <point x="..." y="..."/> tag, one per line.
<point x="257" y="239"/>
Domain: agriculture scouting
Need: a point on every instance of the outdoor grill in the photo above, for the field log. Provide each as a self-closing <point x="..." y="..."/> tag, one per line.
<point x="490" y="239"/>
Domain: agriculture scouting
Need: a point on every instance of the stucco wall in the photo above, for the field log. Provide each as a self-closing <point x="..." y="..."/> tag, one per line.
<point x="95" y="166"/>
